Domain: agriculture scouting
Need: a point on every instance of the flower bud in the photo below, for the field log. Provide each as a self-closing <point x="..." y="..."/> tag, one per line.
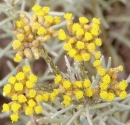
<point x="27" y="52"/>
<point x="36" y="43"/>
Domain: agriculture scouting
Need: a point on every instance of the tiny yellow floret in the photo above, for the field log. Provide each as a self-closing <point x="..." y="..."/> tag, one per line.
<point x="79" y="94"/>
<point x="18" y="86"/>
<point x="38" y="109"/>
<point x="36" y="8"/>
<point x="66" y="84"/>
<point x="62" y="35"/>
<point x="16" y="44"/>
<point x="41" y="31"/>
<point x="123" y="94"/>
<point x="88" y="36"/>
<point x="87" y="83"/>
<point x="85" y="56"/>
<point x="14" y="117"/>
<point x="12" y="79"/>
<point x="68" y="16"/>
<point x="83" y="20"/>
<point x="89" y="92"/>
<point x="6" y="107"/>
<point x="80" y="45"/>
<point x="58" y="79"/>
<point x="20" y="76"/>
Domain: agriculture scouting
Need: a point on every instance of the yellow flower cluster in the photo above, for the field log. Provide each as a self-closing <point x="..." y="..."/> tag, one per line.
<point x="82" y="40"/>
<point x="73" y="90"/>
<point x="30" y="33"/>
<point x="22" y="93"/>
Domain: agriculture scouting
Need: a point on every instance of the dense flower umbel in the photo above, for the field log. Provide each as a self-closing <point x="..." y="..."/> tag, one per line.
<point x="31" y="32"/>
<point x="83" y="38"/>
<point x="20" y="90"/>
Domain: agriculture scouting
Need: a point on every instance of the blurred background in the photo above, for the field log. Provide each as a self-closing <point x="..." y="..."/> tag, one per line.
<point x="115" y="34"/>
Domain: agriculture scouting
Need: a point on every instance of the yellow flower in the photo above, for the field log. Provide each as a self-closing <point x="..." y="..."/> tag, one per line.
<point x="91" y="46"/>
<point x="5" y="107"/>
<point x="22" y="98"/>
<point x="66" y="103"/>
<point x="85" y="56"/>
<point x="20" y="37"/>
<point x="66" y="84"/>
<point x="41" y="31"/>
<point x="76" y="27"/>
<point x="110" y="97"/>
<point x="83" y="20"/>
<point x="67" y="98"/>
<point x="14" y="117"/>
<point x="57" y="20"/>
<point x="18" y="86"/>
<point x="38" y="109"/>
<point x="103" y="86"/>
<point x="72" y="53"/>
<point x="36" y="8"/>
<point x="103" y="95"/>
<point x="19" y="24"/>
<point x="17" y="58"/>
<point x="101" y="71"/>
<point x="29" y="84"/>
<point x="123" y="94"/>
<point x="87" y="83"/>
<point x="32" y="93"/>
<point x="106" y="79"/>
<point x="7" y="89"/>
<point x="16" y="44"/>
<point x="78" y="84"/>
<point x="62" y="35"/>
<point x="52" y="96"/>
<point x="45" y="97"/>
<point x="14" y="97"/>
<point x="88" y="36"/>
<point x="89" y="92"/>
<point x="95" y="20"/>
<point x="68" y="16"/>
<point x="26" y="69"/>
<point x="49" y="19"/>
<point x="20" y="76"/>
<point x="80" y="45"/>
<point x="28" y="110"/>
<point x="78" y="58"/>
<point x="97" y="55"/>
<point x="12" y="79"/>
<point x="123" y="85"/>
<point x="58" y="79"/>
<point x="80" y="32"/>
<point x="95" y="32"/>
<point x="79" y="94"/>
<point x="39" y="97"/>
<point x="15" y="107"/>
<point x="96" y="63"/>
<point x="46" y="9"/>
<point x="98" y="42"/>
<point x="33" y="78"/>
<point x="67" y="46"/>
<point x="31" y="103"/>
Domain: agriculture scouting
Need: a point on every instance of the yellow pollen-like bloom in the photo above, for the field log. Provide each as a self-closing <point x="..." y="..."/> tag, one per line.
<point x="18" y="86"/>
<point x="101" y="71"/>
<point x="95" y="32"/>
<point x="98" y="42"/>
<point x="78" y="57"/>
<point x="36" y="8"/>
<point x="17" y="58"/>
<point x="31" y="103"/>
<point x="40" y="13"/>
<point x="89" y="92"/>
<point x="72" y="53"/>
<point x="49" y="19"/>
<point x="103" y="86"/>
<point x="66" y="84"/>
<point x="14" y="117"/>
<point x="16" y="44"/>
<point x="33" y="78"/>
<point x="15" y="107"/>
<point x="58" y="79"/>
<point x="19" y="24"/>
<point x="106" y="79"/>
<point x="80" y="32"/>
<point x="83" y="20"/>
<point x="15" y="97"/>
<point x="110" y="97"/>
<point x="41" y="31"/>
<point x="20" y="37"/>
<point x="26" y="69"/>
<point x="20" y="76"/>
<point x="68" y="16"/>
<point x="95" y="26"/>
<point x="67" y="98"/>
<point x="91" y="47"/>
<point x="123" y="94"/>
<point x="52" y="96"/>
<point x="85" y="56"/>
<point x="79" y="94"/>
<point x="46" y="9"/>
<point x="12" y="79"/>
<point x="32" y="93"/>
<point x="123" y="85"/>
<point x="22" y="98"/>
<point x="67" y="46"/>
<point x="45" y="97"/>
<point x="57" y="20"/>
<point x="36" y="26"/>
<point x="97" y="55"/>
<point x="5" y="107"/>
<point x="86" y="83"/>
<point x="7" y="89"/>
<point x="38" y="109"/>
<point x="103" y="95"/>
<point x="28" y="110"/>
<point x="39" y="97"/>
<point x="76" y="27"/>
<point x="88" y="36"/>
<point x="66" y="103"/>
<point x="80" y="45"/>
<point x="78" y="84"/>
<point x="95" y="20"/>
<point x="29" y="84"/>
<point x="96" y="63"/>
<point x="62" y="35"/>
